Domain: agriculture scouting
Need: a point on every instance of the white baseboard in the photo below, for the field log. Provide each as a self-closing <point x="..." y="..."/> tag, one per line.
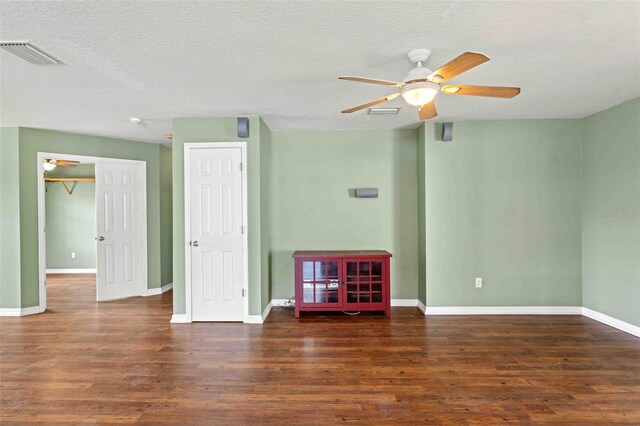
<point x="153" y="292"/>
<point x="159" y="290"/>
<point x="20" y="312"/>
<point x="72" y="271"/>
<point x="179" y="319"/>
<point x="534" y="310"/>
<point x="254" y="319"/>
<point x="503" y="310"/>
<point x="31" y="310"/>
<point x="611" y="321"/>
<point x="440" y="310"/>
<point x="259" y="319"/>
<point x="266" y="311"/>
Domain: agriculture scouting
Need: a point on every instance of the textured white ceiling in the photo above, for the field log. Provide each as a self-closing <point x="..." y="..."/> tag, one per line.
<point x="281" y="60"/>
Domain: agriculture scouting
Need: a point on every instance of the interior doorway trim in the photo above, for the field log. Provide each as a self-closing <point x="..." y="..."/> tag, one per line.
<point x="42" y="246"/>
<point x="187" y="221"/>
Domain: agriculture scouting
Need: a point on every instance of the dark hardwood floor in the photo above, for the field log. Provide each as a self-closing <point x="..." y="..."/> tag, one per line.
<point x="122" y="362"/>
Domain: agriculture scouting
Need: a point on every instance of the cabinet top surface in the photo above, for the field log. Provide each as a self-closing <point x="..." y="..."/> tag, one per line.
<point x="340" y="253"/>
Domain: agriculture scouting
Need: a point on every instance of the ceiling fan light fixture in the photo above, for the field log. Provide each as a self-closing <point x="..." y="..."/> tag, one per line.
<point x="451" y="89"/>
<point x="418" y="94"/>
<point x="48" y="165"/>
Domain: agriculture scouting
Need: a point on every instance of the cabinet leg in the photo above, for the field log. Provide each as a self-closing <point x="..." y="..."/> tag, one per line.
<point x="297" y="314"/>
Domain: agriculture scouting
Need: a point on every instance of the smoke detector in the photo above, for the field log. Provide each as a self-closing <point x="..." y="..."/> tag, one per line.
<point x="29" y="52"/>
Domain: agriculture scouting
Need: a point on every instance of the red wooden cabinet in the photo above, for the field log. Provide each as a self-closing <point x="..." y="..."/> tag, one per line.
<point x="342" y="281"/>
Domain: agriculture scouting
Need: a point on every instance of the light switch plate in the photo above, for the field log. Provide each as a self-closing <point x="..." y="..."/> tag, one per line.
<point x="478" y="282"/>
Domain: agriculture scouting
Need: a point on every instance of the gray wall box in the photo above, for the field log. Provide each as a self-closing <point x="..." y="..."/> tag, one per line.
<point x="447" y="132"/>
<point x="243" y="127"/>
<point x="366" y="192"/>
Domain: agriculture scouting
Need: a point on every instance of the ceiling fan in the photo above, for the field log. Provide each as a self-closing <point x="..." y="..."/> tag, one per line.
<point x="421" y="85"/>
<point x="50" y="163"/>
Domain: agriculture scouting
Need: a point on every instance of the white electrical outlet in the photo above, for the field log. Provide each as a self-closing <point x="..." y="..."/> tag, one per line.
<point x="73" y="254"/>
<point x="478" y="282"/>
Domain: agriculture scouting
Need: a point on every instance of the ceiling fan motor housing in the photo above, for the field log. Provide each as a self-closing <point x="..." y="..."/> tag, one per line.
<point x="417" y="74"/>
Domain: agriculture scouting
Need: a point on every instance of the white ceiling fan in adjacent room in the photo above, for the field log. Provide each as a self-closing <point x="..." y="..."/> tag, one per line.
<point x="421" y="85"/>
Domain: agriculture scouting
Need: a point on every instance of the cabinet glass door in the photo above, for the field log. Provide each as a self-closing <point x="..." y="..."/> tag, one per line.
<point x="363" y="281"/>
<point x="321" y="283"/>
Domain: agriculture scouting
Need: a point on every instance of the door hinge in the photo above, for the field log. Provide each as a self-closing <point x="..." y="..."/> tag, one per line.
<point x="242" y="229"/>
<point x="244" y="293"/>
<point x="240" y="166"/>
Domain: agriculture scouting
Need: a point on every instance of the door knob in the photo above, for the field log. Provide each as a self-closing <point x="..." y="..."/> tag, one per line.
<point x="195" y="244"/>
<point x="100" y="238"/>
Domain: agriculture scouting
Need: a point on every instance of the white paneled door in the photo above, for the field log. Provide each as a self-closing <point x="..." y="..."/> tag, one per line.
<point x="216" y="228"/>
<point x="118" y="211"/>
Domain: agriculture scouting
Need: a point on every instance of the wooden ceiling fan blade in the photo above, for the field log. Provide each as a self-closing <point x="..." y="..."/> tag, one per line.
<point x="427" y="111"/>
<point x="489" y="91"/>
<point x="65" y="165"/>
<point x="371" y="80"/>
<point x="457" y="66"/>
<point x="372" y="103"/>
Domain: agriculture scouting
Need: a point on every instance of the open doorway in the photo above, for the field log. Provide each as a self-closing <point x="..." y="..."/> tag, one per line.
<point x="70" y="227"/>
<point x="102" y="232"/>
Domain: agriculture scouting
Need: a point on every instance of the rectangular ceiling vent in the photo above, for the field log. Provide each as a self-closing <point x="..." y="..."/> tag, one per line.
<point x="29" y="52"/>
<point x="376" y="111"/>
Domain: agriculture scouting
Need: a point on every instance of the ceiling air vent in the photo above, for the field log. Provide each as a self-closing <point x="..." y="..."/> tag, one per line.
<point x="376" y="111"/>
<point x="29" y="52"/>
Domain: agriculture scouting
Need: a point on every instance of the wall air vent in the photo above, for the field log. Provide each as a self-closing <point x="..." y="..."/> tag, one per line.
<point x="29" y="52"/>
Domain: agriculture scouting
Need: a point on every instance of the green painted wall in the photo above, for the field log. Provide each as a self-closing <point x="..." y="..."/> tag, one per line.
<point x="166" y="216"/>
<point x="189" y="130"/>
<point x="545" y="211"/>
<point x="9" y="219"/>
<point x="422" y="231"/>
<point x="503" y="203"/>
<point x="265" y="217"/>
<point x="71" y="219"/>
<point x="611" y="212"/>
<point x="313" y="206"/>
<point x="32" y="141"/>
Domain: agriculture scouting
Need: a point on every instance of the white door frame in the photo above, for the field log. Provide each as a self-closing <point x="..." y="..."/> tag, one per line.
<point x="187" y="220"/>
<point x="42" y="246"/>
